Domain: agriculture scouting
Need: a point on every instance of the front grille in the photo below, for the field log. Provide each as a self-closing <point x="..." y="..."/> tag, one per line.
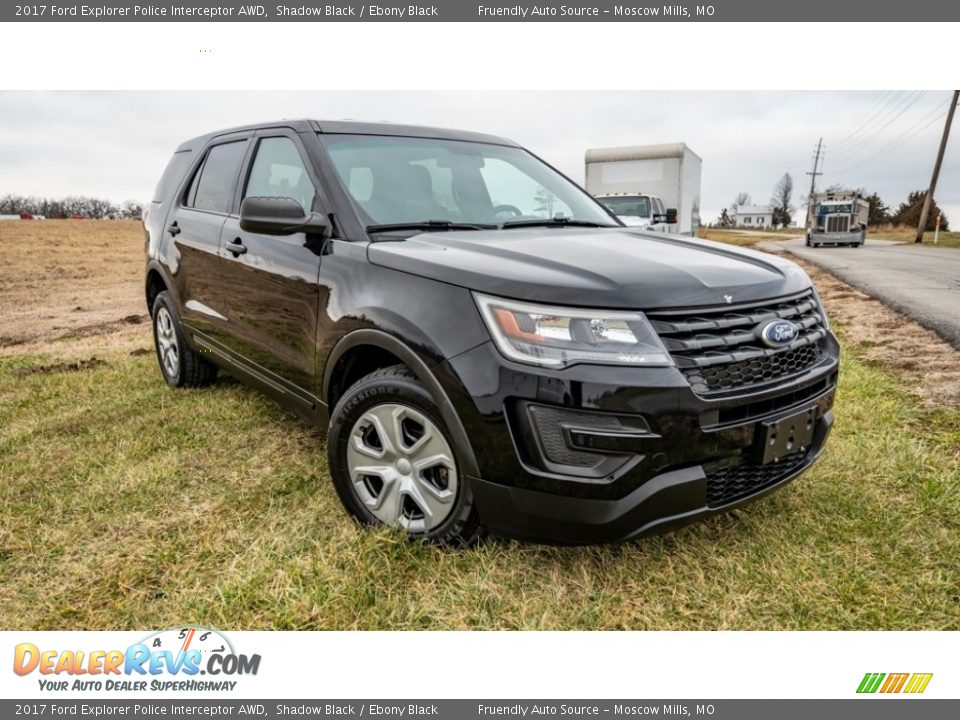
<point x="838" y="223"/>
<point x="719" y="349"/>
<point x="733" y="483"/>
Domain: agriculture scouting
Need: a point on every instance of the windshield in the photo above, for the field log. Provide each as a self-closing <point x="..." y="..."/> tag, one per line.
<point x="836" y="208"/>
<point x="397" y="180"/>
<point x="632" y="205"/>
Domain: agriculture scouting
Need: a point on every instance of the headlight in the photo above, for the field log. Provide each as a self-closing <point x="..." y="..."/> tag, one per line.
<point x="562" y="336"/>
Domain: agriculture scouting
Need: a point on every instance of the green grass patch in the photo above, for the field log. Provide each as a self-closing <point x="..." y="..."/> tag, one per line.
<point x="124" y="504"/>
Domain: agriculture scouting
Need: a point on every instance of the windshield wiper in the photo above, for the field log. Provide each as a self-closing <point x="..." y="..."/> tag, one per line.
<point x="429" y="226"/>
<point x="553" y="222"/>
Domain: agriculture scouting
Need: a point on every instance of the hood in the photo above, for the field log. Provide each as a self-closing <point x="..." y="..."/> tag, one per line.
<point x="593" y="267"/>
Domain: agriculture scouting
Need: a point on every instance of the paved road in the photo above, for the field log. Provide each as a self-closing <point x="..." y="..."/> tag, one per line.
<point x="921" y="282"/>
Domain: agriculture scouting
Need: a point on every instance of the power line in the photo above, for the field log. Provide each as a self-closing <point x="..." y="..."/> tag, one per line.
<point x="925" y="122"/>
<point x="852" y="150"/>
<point x="880" y="111"/>
<point x="861" y="114"/>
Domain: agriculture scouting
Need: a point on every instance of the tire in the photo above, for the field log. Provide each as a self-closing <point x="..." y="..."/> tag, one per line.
<point x="180" y="365"/>
<point x="389" y="420"/>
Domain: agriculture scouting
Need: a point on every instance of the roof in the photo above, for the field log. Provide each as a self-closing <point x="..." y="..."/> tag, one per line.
<point x="753" y="210"/>
<point x="353" y="127"/>
<point x="638" y="152"/>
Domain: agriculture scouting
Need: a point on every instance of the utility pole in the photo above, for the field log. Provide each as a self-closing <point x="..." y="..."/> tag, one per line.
<point x="928" y="201"/>
<point x="813" y="181"/>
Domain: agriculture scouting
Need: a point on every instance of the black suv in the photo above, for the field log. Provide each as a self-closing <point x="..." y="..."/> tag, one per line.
<point x="487" y="346"/>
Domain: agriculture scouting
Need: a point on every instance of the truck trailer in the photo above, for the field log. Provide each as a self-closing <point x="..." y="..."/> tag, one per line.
<point x="669" y="173"/>
<point x="837" y="218"/>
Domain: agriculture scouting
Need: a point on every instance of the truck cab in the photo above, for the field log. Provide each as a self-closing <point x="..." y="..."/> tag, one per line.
<point x="644" y="211"/>
<point x="838" y="219"/>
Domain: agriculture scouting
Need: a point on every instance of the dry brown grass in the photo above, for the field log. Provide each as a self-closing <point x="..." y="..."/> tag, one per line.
<point x="908" y="235"/>
<point x="924" y="361"/>
<point x="70" y="279"/>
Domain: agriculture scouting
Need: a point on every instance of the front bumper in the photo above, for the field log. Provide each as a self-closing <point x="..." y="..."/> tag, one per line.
<point x="603" y="454"/>
<point x="845" y="238"/>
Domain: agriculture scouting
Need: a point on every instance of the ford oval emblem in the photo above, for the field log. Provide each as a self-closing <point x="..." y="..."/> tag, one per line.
<point x="779" y="333"/>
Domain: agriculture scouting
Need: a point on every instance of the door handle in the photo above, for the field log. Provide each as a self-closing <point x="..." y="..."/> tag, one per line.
<point x="236" y="247"/>
<point x="173" y="229"/>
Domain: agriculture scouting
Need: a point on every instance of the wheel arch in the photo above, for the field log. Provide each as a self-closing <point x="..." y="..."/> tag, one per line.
<point x="156" y="281"/>
<point x="392" y="351"/>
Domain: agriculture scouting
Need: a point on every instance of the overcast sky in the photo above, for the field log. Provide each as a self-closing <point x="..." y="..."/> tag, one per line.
<point x="115" y="144"/>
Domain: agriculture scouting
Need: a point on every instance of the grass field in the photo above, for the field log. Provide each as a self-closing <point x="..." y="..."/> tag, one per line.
<point x="124" y="504"/>
<point x="900" y="234"/>
<point x="904" y="234"/>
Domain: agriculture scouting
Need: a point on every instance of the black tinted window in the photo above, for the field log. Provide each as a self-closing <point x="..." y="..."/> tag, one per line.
<point x="218" y="177"/>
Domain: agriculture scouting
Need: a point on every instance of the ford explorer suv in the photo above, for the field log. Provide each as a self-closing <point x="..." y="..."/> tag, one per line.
<point x="486" y="346"/>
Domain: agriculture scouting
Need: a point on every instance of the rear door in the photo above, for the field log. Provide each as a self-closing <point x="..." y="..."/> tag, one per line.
<point x="270" y="282"/>
<point x="195" y="222"/>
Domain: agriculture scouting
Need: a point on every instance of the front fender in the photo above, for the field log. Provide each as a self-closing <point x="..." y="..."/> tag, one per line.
<point x="424" y="373"/>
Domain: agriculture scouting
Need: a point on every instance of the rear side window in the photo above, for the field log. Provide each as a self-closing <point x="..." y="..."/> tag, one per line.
<point x="278" y="171"/>
<point x="171" y="176"/>
<point x="212" y="188"/>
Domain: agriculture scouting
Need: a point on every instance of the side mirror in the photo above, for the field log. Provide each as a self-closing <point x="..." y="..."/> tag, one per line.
<point x="280" y="216"/>
<point x="671" y="216"/>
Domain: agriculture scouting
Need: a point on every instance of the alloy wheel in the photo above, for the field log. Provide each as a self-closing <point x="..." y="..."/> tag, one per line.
<point x="167" y="343"/>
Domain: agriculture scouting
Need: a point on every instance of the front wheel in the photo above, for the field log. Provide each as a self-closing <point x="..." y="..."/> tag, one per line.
<point x="392" y="461"/>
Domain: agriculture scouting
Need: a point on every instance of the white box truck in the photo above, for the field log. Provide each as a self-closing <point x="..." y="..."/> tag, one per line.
<point x="646" y="174"/>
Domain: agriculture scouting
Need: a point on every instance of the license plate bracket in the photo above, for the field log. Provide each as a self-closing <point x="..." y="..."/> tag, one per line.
<point x="783" y="436"/>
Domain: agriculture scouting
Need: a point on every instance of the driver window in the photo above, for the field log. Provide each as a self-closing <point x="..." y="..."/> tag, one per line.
<point x="507" y="185"/>
<point x="278" y="171"/>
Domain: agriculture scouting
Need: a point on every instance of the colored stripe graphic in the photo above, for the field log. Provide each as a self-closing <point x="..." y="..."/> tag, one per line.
<point x="918" y="682"/>
<point x="870" y="683"/>
<point x="894" y="683"/>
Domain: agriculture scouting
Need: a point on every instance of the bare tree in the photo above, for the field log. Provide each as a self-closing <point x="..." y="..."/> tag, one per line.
<point x="742" y="198"/>
<point x="782" y="201"/>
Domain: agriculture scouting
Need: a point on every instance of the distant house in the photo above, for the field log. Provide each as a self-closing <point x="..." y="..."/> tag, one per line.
<point x="753" y="216"/>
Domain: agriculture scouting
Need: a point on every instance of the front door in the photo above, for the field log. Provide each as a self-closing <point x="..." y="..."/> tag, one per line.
<point x="270" y="281"/>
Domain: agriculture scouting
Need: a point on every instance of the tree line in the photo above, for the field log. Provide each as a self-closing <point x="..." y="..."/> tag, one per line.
<point x="908" y="214"/>
<point x="71" y="206"/>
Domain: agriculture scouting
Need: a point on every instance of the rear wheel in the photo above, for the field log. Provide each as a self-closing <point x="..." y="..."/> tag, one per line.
<point x="180" y="365"/>
<point x="392" y="461"/>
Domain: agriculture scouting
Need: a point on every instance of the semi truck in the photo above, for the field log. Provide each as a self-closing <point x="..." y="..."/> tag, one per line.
<point x="663" y="179"/>
<point x="837" y="218"/>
